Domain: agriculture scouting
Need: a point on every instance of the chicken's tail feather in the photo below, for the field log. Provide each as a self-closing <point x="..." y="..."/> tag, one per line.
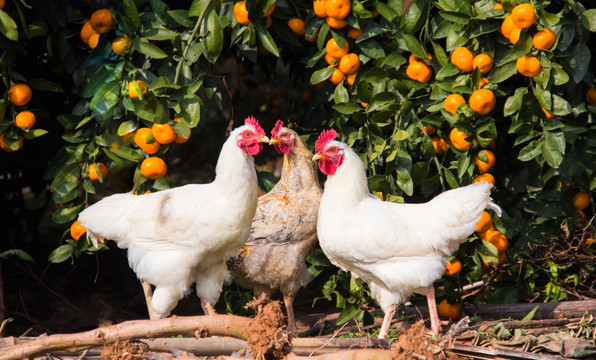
<point x="494" y="207"/>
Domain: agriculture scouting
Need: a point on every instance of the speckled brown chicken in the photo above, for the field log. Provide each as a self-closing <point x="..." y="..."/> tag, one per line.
<point x="284" y="228"/>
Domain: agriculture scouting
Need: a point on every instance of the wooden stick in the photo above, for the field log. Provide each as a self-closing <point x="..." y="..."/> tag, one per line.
<point x="362" y="354"/>
<point x="479" y="352"/>
<point x="218" y="325"/>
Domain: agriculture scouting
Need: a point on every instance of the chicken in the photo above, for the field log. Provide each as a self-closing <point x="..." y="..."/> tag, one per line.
<point x="284" y="228"/>
<point x="398" y="249"/>
<point x="184" y="235"/>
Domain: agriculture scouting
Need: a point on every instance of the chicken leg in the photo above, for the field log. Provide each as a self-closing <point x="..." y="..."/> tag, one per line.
<point x="207" y="307"/>
<point x="288" y="301"/>
<point x="153" y="315"/>
<point x="387" y="321"/>
<point x="435" y="322"/>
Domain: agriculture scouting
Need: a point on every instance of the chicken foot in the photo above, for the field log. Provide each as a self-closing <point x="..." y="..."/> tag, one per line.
<point x="288" y="301"/>
<point x="435" y="322"/>
<point x="153" y="315"/>
<point x="387" y="321"/>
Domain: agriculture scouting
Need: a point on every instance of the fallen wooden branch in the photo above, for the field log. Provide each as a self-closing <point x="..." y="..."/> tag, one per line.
<point x="479" y="352"/>
<point x="361" y="354"/>
<point x="218" y="325"/>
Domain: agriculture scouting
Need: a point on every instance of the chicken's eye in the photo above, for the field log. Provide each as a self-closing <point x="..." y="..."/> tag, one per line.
<point x="332" y="150"/>
<point x="284" y="135"/>
<point x="247" y="134"/>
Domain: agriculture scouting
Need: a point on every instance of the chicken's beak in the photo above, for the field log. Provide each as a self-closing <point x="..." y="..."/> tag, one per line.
<point x="274" y="141"/>
<point x="263" y="139"/>
<point x="317" y="157"/>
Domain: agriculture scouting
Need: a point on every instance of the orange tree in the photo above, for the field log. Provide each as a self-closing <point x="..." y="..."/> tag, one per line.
<point x="380" y="72"/>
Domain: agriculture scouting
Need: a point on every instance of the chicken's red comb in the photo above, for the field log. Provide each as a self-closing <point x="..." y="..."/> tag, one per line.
<point x="251" y="120"/>
<point x="325" y="137"/>
<point x="278" y="125"/>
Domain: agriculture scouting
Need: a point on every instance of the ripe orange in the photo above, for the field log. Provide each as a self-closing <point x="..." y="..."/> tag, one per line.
<point x="419" y="71"/>
<point x="514" y="36"/>
<point x="297" y="25"/>
<point x="485" y="223"/>
<point x="336" y="23"/>
<point x="141" y="140"/>
<point x="93" y="40"/>
<point x="103" y="169"/>
<point x="77" y="230"/>
<point x="500" y="241"/>
<point x="489" y="233"/>
<point x="528" y="66"/>
<point x="351" y="78"/>
<point x="240" y="13"/>
<point x="349" y="64"/>
<point x="458" y="139"/>
<point x="483" y="62"/>
<point x="449" y="311"/>
<point x="2" y="4"/>
<point x="544" y="39"/>
<point x="548" y="114"/>
<point x="132" y="90"/>
<point x="453" y="267"/>
<point x="337" y="76"/>
<point x="311" y="38"/>
<point x="86" y="32"/>
<point x="483" y="166"/>
<point x="25" y="120"/>
<point x="153" y="168"/>
<point x="463" y="59"/>
<point x="334" y="50"/>
<point x="507" y="26"/>
<point x="439" y="145"/>
<point x="590" y="241"/>
<point x="581" y="200"/>
<point x="20" y="94"/>
<point x="429" y="130"/>
<point x="331" y="60"/>
<point x="320" y="8"/>
<point x="353" y="33"/>
<point x="338" y="9"/>
<point x="102" y="21"/>
<point x="482" y="82"/>
<point x="364" y="105"/>
<point x="163" y="133"/>
<point x="4" y="145"/>
<point x="485" y="177"/>
<point x="523" y="15"/>
<point x="482" y="101"/>
<point x="498" y="6"/>
<point x="414" y="57"/>
<point x="452" y="102"/>
<point x="502" y="258"/>
<point x="270" y="10"/>
<point x="121" y="44"/>
<point x="591" y="96"/>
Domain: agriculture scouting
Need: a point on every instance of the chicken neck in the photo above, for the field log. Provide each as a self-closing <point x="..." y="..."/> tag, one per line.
<point x="349" y="185"/>
<point x="235" y="169"/>
<point x="298" y="172"/>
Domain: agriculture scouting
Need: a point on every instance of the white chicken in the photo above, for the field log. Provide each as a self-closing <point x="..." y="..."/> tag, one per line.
<point x="398" y="249"/>
<point x="184" y="235"/>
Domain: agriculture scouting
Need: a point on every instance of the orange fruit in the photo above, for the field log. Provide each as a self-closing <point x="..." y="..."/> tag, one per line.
<point x="270" y="9"/>
<point x="523" y="15"/>
<point x="349" y="63"/>
<point x="485" y="223"/>
<point x="439" y="145"/>
<point x="419" y="71"/>
<point x="141" y="140"/>
<point x="528" y="66"/>
<point x="364" y="105"/>
<point x="179" y="139"/>
<point x="590" y="241"/>
<point x="502" y="258"/>
<point x="591" y="96"/>
<point x="153" y="168"/>
<point x="103" y="169"/>
<point x="429" y="130"/>
<point x="507" y="26"/>
<point x="498" y="7"/>
<point x="483" y="62"/>
<point x="297" y="25"/>
<point x="548" y="114"/>
<point x="335" y="23"/>
<point x="331" y="60"/>
<point x="20" y="94"/>
<point x="449" y="311"/>
<point x="414" y="57"/>
<point x="25" y="120"/>
<point x="483" y="166"/>
<point x="500" y="241"/>
<point x="458" y="139"/>
<point x="485" y="177"/>
<point x="146" y="192"/>
<point x="351" y="78"/>
<point x="240" y="13"/>
<point x="132" y="90"/>
<point x="320" y="8"/>
<point x="453" y="267"/>
<point x="77" y="230"/>
<point x="4" y="145"/>
<point x="353" y="33"/>
<point x="338" y="9"/>
<point x="463" y="59"/>
<point x="102" y="21"/>
<point x="337" y="76"/>
<point x="482" y="101"/>
<point x="544" y="39"/>
<point x="86" y="32"/>
<point x="93" y="40"/>
<point x="452" y="102"/>
<point x="581" y="200"/>
<point x="2" y="4"/>
<point x="121" y="44"/>
<point x="482" y="82"/>
<point x="311" y="38"/>
<point x="163" y="133"/>
<point x="514" y="36"/>
<point x="334" y="50"/>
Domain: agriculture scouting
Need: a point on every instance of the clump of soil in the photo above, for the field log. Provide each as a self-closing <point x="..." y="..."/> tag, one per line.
<point x="266" y="338"/>
<point x="124" y="350"/>
<point x="415" y="344"/>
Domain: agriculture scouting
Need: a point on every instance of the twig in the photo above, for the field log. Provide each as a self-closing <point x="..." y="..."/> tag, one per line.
<point x="328" y="341"/>
<point x="4" y="322"/>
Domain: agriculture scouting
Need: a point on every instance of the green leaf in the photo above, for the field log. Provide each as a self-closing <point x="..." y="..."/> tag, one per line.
<point x="530" y="151"/>
<point x="372" y="49"/>
<point x="128" y="153"/>
<point x="347" y="314"/>
<point x="126" y="127"/>
<point x="8" y="27"/>
<point x="266" y="39"/>
<point x="340" y="95"/>
<point x="145" y="47"/>
<point x="197" y="7"/>
<point x="503" y="72"/>
<point x="60" y="160"/>
<point x="451" y="180"/>
<point x="44" y="85"/>
<point x="551" y="154"/>
<point x="579" y="61"/>
<point x="61" y="254"/>
<point x="266" y="180"/>
<point x="455" y="17"/>
<point x="130" y="20"/>
<point x="404" y="181"/>
<point x="588" y="19"/>
<point x="416" y="16"/>
<point x="213" y="37"/>
<point x="65" y="214"/>
<point x="414" y="46"/>
<point x="347" y="108"/>
<point x="321" y="75"/>
<point x="16" y="253"/>
<point x="531" y="314"/>
<point x="106" y="98"/>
